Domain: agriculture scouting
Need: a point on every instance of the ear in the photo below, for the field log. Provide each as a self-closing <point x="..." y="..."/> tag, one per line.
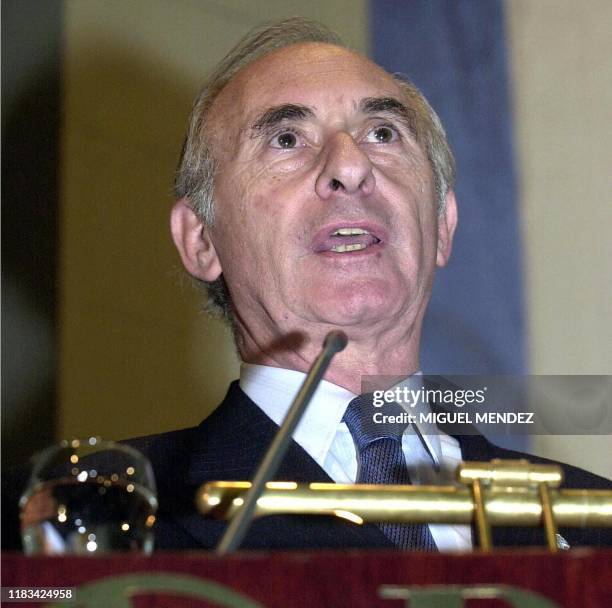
<point x="447" y="222"/>
<point x="192" y="239"/>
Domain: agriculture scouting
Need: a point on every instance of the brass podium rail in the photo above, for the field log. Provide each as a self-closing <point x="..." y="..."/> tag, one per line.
<point x="503" y="506"/>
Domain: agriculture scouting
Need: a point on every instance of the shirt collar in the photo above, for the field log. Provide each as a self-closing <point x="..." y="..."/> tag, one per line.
<point x="273" y="390"/>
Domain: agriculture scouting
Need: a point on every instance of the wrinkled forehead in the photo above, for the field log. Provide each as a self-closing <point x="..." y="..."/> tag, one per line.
<point x="317" y="75"/>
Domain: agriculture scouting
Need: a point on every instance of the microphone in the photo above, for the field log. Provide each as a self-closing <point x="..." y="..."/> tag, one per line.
<point x="334" y="342"/>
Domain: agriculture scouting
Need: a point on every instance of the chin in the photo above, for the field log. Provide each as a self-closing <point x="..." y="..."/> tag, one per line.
<point x="356" y="304"/>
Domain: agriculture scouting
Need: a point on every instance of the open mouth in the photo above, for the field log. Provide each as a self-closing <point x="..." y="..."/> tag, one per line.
<point x="352" y="239"/>
<point x="346" y="239"/>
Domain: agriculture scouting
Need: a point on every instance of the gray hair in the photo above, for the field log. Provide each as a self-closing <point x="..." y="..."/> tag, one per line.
<point x="196" y="170"/>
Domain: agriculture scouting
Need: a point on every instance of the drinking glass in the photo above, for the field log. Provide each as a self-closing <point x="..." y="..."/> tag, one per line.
<point x="86" y="497"/>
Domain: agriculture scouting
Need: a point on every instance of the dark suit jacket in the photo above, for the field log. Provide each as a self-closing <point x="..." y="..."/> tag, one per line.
<point x="229" y="445"/>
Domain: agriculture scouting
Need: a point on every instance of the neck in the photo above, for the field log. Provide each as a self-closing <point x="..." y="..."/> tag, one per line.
<point x="368" y="353"/>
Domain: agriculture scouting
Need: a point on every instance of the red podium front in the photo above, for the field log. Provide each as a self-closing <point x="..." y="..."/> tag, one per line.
<point x="534" y="579"/>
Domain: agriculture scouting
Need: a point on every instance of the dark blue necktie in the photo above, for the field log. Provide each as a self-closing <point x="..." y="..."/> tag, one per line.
<point x="381" y="461"/>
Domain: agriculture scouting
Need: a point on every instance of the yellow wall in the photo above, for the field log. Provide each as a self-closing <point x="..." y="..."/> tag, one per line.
<point x="561" y="57"/>
<point x="136" y="356"/>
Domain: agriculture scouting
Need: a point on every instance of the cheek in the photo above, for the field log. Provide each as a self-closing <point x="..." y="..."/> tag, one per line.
<point x="251" y="194"/>
<point x="411" y="191"/>
<point x="407" y="173"/>
<point x="248" y="224"/>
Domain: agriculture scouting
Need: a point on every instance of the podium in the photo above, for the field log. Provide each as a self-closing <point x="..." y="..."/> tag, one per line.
<point x="372" y="579"/>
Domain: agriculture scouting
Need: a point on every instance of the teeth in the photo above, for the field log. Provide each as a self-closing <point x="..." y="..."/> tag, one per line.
<point x="349" y="231"/>
<point x="344" y="248"/>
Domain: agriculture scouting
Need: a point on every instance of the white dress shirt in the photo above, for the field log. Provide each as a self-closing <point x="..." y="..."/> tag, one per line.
<point x="323" y="435"/>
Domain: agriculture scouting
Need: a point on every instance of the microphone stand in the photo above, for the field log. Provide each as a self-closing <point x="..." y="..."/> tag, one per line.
<point x="334" y="342"/>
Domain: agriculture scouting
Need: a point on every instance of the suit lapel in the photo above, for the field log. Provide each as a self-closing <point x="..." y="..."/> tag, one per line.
<point x="232" y="441"/>
<point x="229" y="445"/>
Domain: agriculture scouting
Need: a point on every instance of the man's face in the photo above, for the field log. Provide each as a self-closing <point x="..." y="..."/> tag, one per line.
<point x="325" y="212"/>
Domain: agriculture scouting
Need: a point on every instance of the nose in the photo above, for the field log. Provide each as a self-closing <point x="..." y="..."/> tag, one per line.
<point x="346" y="169"/>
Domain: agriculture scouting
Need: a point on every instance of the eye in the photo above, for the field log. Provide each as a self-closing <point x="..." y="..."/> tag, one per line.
<point x="383" y="134"/>
<point x="286" y="140"/>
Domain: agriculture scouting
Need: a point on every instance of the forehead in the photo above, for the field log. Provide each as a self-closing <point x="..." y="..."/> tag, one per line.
<point x="314" y="74"/>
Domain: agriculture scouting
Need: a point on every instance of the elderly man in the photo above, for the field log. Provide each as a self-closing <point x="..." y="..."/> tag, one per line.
<point x="315" y="192"/>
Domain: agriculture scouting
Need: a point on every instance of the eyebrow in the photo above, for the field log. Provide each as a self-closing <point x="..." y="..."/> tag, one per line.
<point x="390" y="106"/>
<point x="274" y="116"/>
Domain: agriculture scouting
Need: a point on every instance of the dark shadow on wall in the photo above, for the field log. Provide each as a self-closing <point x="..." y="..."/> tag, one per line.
<point x="128" y="363"/>
<point x="136" y="98"/>
<point x="31" y="51"/>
